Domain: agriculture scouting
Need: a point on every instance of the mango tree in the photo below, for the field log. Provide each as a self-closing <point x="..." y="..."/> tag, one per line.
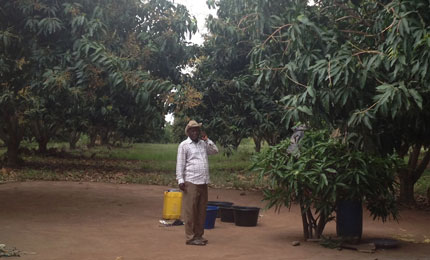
<point x="360" y="67"/>
<point x="116" y="56"/>
<point x="236" y="103"/>
<point x="15" y="78"/>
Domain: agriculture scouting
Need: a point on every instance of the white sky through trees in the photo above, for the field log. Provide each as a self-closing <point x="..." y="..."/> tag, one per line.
<point x="200" y="10"/>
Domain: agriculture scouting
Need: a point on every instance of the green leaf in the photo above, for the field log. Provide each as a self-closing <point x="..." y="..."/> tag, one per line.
<point x="324" y="179"/>
<point x="311" y="92"/>
<point x="303" y="19"/>
<point x="305" y="109"/>
<point x="366" y="121"/>
<point x="331" y="170"/>
<point x="417" y="97"/>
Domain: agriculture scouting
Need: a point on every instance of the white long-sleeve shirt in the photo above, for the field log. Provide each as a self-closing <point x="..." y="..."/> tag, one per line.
<point x="192" y="163"/>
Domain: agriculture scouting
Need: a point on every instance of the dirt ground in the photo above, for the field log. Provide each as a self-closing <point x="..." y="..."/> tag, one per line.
<point x="71" y="220"/>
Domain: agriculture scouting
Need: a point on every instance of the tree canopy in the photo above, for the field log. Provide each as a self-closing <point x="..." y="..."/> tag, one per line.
<point x="107" y="68"/>
<point x="361" y="67"/>
<point x="357" y="66"/>
<point x="237" y="102"/>
<point x="101" y="67"/>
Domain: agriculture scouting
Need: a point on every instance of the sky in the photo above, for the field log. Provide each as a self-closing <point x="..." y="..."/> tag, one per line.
<point x="200" y="10"/>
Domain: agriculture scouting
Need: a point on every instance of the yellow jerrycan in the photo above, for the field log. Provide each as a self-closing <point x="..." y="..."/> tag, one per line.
<point x="172" y="204"/>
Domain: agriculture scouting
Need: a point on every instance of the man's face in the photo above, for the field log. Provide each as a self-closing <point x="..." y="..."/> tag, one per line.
<point x="194" y="133"/>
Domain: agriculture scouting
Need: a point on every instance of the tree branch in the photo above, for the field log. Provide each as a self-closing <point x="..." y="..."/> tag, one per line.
<point x="286" y="75"/>
<point x="298" y="83"/>
<point x="321" y="225"/>
<point x="403" y="150"/>
<point x="362" y="52"/>
<point x="305" y="222"/>
<point x="367" y="109"/>
<point x="345" y="17"/>
<point x="311" y="222"/>
<point x="392" y="24"/>
<point x="276" y="31"/>
<point x="3" y="135"/>
<point x="413" y="157"/>
<point x="358" y="32"/>
<point x="244" y="18"/>
<point x="422" y="166"/>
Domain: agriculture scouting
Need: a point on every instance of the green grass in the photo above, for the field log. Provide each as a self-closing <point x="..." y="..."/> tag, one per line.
<point x="152" y="157"/>
<point x="142" y="163"/>
<point x="232" y="171"/>
<point x="159" y="161"/>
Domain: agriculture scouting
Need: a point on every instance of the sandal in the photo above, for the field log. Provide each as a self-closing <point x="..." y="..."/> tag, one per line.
<point x="195" y="242"/>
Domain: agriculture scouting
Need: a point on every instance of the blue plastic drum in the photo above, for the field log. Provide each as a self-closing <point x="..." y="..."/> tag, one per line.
<point x="211" y="212"/>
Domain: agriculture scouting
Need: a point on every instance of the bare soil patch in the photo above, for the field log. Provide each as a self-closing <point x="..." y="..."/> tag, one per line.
<point x="86" y="220"/>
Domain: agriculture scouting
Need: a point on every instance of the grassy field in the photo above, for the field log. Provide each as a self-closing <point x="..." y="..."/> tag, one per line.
<point x="137" y="163"/>
<point x="141" y="163"/>
<point x="232" y="171"/>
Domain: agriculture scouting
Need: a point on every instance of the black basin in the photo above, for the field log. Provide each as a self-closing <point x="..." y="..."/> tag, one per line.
<point x="226" y="213"/>
<point x="219" y="204"/>
<point x="246" y="216"/>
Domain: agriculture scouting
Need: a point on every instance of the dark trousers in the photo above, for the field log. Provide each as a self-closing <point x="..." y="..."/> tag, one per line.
<point x="195" y="198"/>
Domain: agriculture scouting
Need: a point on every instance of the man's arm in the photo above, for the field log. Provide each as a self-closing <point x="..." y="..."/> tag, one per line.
<point x="180" y="166"/>
<point x="211" y="147"/>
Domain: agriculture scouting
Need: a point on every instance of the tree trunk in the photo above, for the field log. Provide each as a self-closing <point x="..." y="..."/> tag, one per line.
<point x="271" y="139"/>
<point x="236" y="143"/>
<point x="43" y="145"/>
<point x="305" y="223"/>
<point x="11" y="133"/>
<point x="407" y="191"/>
<point x="73" y="139"/>
<point x="311" y="223"/>
<point x="93" y="137"/>
<point x="43" y="132"/>
<point x="12" y="151"/>
<point x="257" y="142"/>
<point x="105" y="138"/>
<point x="321" y="225"/>
<point x="409" y="176"/>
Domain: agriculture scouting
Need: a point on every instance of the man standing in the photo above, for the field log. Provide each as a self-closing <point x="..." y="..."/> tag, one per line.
<point x="192" y="173"/>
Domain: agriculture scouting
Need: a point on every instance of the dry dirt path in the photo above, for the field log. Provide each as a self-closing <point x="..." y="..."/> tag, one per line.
<point x="70" y="220"/>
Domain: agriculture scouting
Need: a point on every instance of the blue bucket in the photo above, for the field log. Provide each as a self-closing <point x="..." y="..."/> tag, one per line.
<point x="211" y="212"/>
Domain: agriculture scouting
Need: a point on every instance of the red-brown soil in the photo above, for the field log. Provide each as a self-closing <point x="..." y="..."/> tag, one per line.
<point x="71" y="220"/>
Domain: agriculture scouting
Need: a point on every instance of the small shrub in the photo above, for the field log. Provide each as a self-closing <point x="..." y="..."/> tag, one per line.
<point x="323" y="172"/>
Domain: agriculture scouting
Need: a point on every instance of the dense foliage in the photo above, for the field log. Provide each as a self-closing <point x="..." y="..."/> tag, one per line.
<point x="323" y="172"/>
<point x="236" y="103"/>
<point x="106" y="68"/>
<point x="361" y="67"/>
<point x="100" y="67"/>
<point x="357" y="66"/>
